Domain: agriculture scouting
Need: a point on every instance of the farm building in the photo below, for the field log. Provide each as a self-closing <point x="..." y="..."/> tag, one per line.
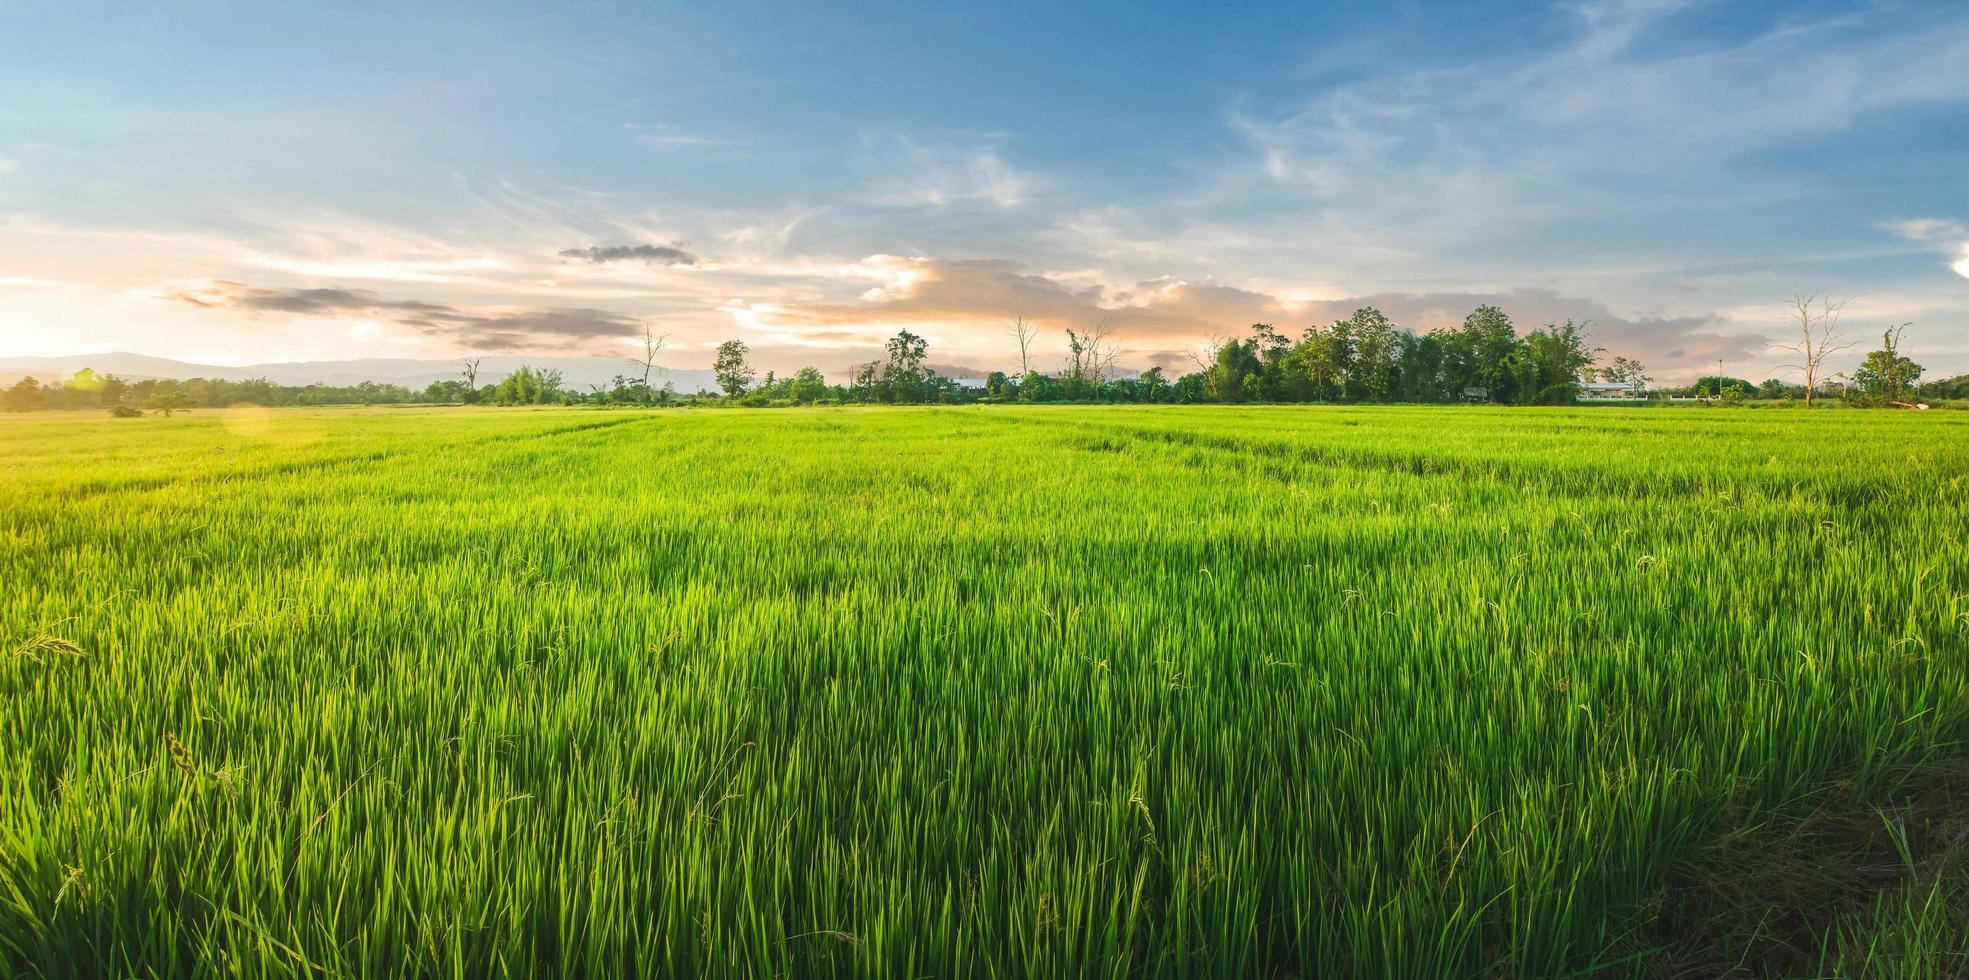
<point x="1610" y="391"/>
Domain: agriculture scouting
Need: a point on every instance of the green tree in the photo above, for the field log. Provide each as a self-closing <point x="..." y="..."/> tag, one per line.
<point x="1190" y="389"/>
<point x="1886" y="375"/>
<point x="1557" y="356"/>
<point x="1478" y="354"/>
<point x="1627" y="371"/>
<point x="1273" y="350"/>
<point x="1420" y="366"/>
<point x="1235" y="362"/>
<point x="1375" y="354"/>
<point x="733" y="373"/>
<point x="906" y="352"/>
<point x="1714" y="385"/>
<point x="1318" y="363"/>
<point x="169" y="400"/>
<point x="527" y="386"/>
<point x="808" y="386"/>
<point x="25" y="396"/>
<point x="87" y="387"/>
<point x="902" y="375"/>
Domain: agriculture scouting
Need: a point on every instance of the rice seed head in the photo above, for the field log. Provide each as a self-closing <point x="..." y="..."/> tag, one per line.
<point x="49" y="643"/>
<point x="72" y="879"/>
<point x="180" y="756"/>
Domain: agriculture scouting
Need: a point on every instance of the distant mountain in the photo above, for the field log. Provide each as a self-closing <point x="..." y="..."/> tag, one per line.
<point x="576" y="372"/>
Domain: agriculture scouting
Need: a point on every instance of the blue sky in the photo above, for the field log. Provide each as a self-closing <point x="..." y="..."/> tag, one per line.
<point x="251" y="182"/>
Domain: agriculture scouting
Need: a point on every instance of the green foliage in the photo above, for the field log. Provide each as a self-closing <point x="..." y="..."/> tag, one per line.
<point x="1956" y="387"/>
<point x="528" y="386"/>
<point x="1887" y="376"/>
<point x="1011" y="691"/>
<point x="808" y="386"/>
<point x="168" y="400"/>
<point x="1716" y="385"/>
<point x="1625" y="370"/>
<point x="24" y="395"/>
<point x="734" y="374"/>
<point x="1550" y="364"/>
<point x="1233" y="375"/>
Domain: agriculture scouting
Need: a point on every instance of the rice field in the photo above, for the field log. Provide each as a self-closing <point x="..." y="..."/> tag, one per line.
<point x="985" y="691"/>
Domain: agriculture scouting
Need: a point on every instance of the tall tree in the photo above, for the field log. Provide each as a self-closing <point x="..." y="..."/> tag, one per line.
<point x="1319" y="362"/>
<point x="1551" y="362"/>
<point x="1023" y="332"/>
<point x="1815" y="315"/>
<point x="1481" y="352"/>
<point x="730" y="367"/>
<point x="1234" y="375"/>
<point x="906" y="352"/>
<point x="1626" y="371"/>
<point x="808" y="386"/>
<point x="653" y="344"/>
<point x="902" y="376"/>
<point x="24" y="396"/>
<point x="1374" y="353"/>
<point x="1886" y="376"/>
<point x="469" y="367"/>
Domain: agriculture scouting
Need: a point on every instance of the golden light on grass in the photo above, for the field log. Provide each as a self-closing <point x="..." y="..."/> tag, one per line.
<point x="284" y="427"/>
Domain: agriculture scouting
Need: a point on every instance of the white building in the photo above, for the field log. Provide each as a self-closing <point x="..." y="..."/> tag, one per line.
<point x="1610" y="391"/>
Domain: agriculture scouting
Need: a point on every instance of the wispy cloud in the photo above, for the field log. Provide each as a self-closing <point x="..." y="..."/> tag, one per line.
<point x="902" y="171"/>
<point x="1448" y="163"/>
<point x="398" y="270"/>
<point x="666" y="136"/>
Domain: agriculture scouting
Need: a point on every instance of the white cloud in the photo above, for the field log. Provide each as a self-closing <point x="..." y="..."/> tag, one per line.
<point x="1951" y="236"/>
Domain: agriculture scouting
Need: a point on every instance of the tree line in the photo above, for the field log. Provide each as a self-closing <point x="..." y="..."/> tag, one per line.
<point x="1363" y="358"/>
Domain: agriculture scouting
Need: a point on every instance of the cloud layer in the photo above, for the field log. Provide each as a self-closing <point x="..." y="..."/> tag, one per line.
<point x="498" y="331"/>
<point x="1158" y="320"/>
<point x="672" y="254"/>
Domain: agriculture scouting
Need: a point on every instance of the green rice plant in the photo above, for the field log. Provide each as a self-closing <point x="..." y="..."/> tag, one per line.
<point x="1097" y="691"/>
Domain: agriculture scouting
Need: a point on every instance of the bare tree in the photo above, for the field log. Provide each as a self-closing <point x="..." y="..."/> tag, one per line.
<point x="1024" y="332"/>
<point x="469" y="367"/>
<point x="1093" y="353"/>
<point x="1816" y="316"/>
<point x="1101" y="351"/>
<point x="1212" y="343"/>
<point x="653" y="345"/>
